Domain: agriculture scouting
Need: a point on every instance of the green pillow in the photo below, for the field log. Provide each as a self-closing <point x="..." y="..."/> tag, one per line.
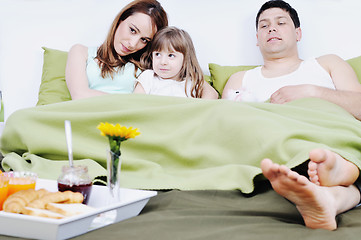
<point x="356" y="65"/>
<point x="53" y="87"/>
<point x="220" y="74"/>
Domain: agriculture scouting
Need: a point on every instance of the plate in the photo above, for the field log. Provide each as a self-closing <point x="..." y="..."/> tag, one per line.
<point x="105" y="213"/>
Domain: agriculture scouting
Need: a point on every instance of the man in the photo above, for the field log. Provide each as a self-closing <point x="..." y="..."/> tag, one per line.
<point x="285" y="77"/>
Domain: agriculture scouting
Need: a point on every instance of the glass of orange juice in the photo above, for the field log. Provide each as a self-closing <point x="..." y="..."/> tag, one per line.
<point x="4" y="184"/>
<point x="21" y="181"/>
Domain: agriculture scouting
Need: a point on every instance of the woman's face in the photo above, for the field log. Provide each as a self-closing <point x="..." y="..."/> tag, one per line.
<point x="133" y="34"/>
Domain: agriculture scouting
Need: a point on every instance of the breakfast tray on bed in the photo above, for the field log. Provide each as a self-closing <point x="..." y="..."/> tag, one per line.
<point x="132" y="202"/>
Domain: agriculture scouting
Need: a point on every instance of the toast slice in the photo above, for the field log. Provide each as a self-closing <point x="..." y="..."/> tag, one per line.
<point x="69" y="209"/>
<point x="42" y="213"/>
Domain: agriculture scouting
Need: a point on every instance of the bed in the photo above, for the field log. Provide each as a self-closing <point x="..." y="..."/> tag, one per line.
<point x="195" y="153"/>
<point x="208" y="189"/>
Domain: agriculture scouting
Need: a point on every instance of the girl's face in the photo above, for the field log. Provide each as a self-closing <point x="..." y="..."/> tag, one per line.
<point x="167" y="64"/>
<point x="133" y="34"/>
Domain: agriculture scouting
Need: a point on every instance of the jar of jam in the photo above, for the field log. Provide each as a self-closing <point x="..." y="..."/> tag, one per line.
<point x="75" y="179"/>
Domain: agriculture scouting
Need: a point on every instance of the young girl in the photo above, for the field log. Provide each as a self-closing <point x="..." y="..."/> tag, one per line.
<point x="111" y="68"/>
<point x="173" y="68"/>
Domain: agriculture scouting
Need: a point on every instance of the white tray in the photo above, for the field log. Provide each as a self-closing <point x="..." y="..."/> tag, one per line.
<point x="132" y="202"/>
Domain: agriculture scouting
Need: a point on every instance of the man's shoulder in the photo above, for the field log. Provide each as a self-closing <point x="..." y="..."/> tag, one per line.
<point x="331" y="61"/>
<point x="240" y="74"/>
<point x="329" y="58"/>
<point x="235" y="80"/>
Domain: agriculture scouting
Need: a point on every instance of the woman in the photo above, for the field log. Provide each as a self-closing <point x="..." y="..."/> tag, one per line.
<point x="112" y="68"/>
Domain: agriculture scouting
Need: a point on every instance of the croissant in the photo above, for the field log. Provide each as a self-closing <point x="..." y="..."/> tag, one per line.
<point x="56" y="197"/>
<point x="16" y="202"/>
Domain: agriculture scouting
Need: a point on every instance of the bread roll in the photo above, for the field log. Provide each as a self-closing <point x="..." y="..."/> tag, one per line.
<point x="57" y="197"/>
<point x="16" y="202"/>
<point x="43" y="203"/>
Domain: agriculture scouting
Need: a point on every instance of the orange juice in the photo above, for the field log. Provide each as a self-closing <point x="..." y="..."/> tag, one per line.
<point x="21" y="181"/>
<point x="3" y="189"/>
<point x="18" y="184"/>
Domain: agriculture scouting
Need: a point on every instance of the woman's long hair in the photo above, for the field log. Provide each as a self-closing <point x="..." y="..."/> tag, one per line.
<point x="175" y="39"/>
<point x="108" y="58"/>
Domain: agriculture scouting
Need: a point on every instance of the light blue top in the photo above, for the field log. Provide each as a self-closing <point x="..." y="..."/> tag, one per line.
<point x="122" y="82"/>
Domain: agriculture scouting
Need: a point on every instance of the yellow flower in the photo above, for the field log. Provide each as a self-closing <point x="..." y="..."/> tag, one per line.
<point x="117" y="131"/>
<point x="115" y="134"/>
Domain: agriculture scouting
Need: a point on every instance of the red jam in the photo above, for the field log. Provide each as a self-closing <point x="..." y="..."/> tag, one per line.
<point x="84" y="189"/>
<point x="75" y="179"/>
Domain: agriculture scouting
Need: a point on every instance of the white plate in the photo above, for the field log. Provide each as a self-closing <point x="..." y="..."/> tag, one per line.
<point x="132" y="202"/>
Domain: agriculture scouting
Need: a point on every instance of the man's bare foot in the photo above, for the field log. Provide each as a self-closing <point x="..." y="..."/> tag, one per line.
<point x="316" y="204"/>
<point x="327" y="168"/>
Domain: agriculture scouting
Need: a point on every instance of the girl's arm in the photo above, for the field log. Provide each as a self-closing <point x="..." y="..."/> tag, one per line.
<point x="209" y="92"/>
<point x="75" y="73"/>
<point x="139" y="88"/>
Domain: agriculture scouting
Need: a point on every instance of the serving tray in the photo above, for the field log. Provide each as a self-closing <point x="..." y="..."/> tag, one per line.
<point x="105" y="213"/>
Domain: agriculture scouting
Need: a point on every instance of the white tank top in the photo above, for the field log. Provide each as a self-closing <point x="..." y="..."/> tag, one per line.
<point x="260" y="88"/>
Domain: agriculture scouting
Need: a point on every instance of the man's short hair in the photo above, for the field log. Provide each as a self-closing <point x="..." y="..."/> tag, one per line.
<point x="283" y="5"/>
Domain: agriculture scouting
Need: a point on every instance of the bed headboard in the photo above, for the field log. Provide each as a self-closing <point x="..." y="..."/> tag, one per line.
<point x="223" y="32"/>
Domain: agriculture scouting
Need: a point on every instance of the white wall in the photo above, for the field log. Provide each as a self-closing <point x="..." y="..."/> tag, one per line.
<point x="27" y="25"/>
<point x="223" y="32"/>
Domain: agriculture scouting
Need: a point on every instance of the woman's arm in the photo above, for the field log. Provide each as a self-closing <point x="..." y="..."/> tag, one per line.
<point x="75" y="74"/>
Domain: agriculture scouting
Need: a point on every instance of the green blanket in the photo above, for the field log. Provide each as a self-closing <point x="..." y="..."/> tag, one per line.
<point x="187" y="144"/>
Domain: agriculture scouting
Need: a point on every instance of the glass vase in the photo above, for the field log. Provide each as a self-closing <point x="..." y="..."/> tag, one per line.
<point x="113" y="175"/>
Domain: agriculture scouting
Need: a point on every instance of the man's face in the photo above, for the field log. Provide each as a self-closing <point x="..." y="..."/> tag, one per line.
<point x="276" y="32"/>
